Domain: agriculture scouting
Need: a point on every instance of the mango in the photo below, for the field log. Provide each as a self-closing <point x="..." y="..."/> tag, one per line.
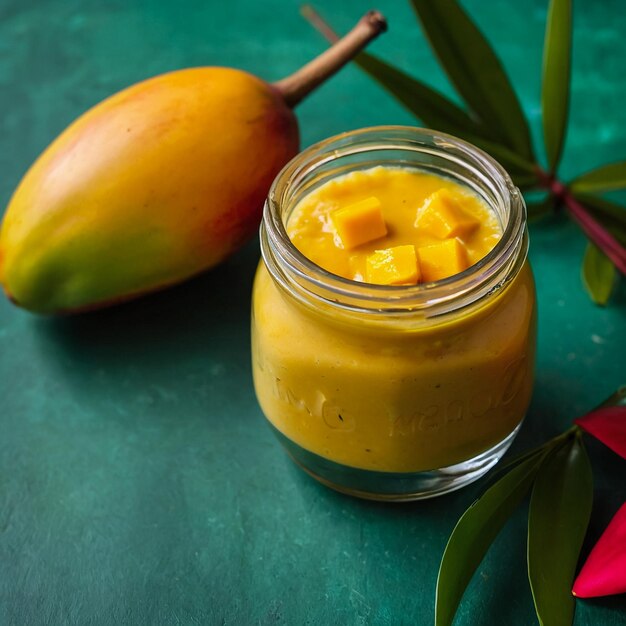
<point x="159" y="182"/>
<point x="359" y="223"/>
<point x="146" y="189"/>
<point x="393" y="266"/>
<point x="442" y="260"/>
<point x="444" y="217"/>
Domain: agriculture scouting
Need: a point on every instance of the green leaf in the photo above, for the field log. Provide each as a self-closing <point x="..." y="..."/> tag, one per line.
<point x="514" y="164"/>
<point x="522" y="172"/>
<point x="542" y="449"/>
<point x="475" y="71"/>
<point x="606" y="178"/>
<point x="524" y="181"/>
<point x="436" y="111"/>
<point x="540" y="208"/>
<point x="475" y="532"/>
<point x="508" y="463"/>
<point x="560" y="507"/>
<point x="599" y="275"/>
<point x="425" y="103"/>
<point x="556" y="78"/>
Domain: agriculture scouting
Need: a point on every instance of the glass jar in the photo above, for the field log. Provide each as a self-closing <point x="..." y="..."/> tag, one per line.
<point x="394" y="392"/>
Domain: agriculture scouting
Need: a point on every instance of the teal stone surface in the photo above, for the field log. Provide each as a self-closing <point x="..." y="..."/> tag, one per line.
<point x="139" y="483"/>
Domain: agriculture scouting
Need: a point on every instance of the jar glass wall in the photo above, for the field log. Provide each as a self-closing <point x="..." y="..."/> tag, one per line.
<point x="394" y="392"/>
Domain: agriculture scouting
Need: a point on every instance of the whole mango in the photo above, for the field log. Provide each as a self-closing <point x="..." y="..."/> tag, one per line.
<point x="153" y="185"/>
<point x="157" y="183"/>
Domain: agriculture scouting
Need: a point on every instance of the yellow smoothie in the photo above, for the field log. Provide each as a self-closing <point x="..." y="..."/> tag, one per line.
<point x="401" y="397"/>
<point x="408" y="200"/>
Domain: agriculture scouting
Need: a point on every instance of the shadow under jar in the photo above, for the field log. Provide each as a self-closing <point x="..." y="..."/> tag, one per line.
<point x="394" y="392"/>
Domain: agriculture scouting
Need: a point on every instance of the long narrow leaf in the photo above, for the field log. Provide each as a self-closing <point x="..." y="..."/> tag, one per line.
<point x="521" y="171"/>
<point x="436" y="111"/>
<point x="599" y="275"/>
<point x="556" y="78"/>
<point x="523" y="181"/>
<point x="425" y="103"/>
<point x="540" y="208"/>
<point x="606" y="178"/>
<point x="475" y="71"/>
<point x="559" y="512"/>
<point x="514" y="163"/>
<point x="475" y="532"/>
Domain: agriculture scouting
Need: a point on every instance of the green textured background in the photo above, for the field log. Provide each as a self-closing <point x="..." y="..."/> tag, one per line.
<point x="138" y="481"/>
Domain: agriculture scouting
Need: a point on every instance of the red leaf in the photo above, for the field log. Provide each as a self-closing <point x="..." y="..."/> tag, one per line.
<point x="604" y="572"/>
<point x="608" y="424"/>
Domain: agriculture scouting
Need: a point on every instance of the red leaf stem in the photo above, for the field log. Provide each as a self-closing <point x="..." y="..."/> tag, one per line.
<point x="599" y="235"/>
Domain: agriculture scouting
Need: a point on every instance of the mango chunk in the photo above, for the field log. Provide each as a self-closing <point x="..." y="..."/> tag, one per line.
<point x="442" y="260"/>
<point x="443" y="216"/>
<point x="393" y="266"/>
<point x="359" y="223"/>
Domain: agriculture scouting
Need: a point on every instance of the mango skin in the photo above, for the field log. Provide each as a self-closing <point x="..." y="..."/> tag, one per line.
<point x="157" y="183"/>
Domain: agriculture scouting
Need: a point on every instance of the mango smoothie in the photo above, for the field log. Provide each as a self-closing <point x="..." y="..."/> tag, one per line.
<point x="405" y="399"/>
<point x="393" y="313"/>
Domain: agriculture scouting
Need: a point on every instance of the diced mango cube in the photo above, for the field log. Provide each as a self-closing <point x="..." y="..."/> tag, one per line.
<point x="442" y="260"/>
<point x="393" y="266"/>
<point x="359" y="223"/>
<point x="444" y="217"/>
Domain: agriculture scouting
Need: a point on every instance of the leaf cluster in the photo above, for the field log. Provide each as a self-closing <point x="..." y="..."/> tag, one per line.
<point x="493" y="119"/>
<point x="558" y="477"/>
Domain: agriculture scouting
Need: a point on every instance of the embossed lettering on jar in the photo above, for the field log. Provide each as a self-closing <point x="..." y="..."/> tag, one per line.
<point x="394" y="392"/>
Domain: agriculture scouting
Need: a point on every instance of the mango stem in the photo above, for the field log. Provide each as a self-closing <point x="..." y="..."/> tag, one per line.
<point x="296" y="87"/>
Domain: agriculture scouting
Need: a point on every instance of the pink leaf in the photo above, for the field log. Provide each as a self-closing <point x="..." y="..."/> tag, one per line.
<point x="608" y="424"/>
<point x="604" y="572"/>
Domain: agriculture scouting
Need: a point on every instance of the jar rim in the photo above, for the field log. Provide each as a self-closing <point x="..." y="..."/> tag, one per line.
<point x="297" y="273"/>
